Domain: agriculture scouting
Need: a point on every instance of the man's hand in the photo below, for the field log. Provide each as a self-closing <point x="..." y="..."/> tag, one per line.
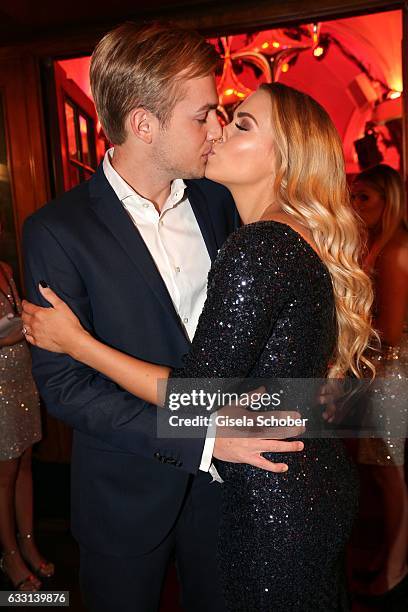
<point x="244" y="443"/>
<point x="248" y="450"/>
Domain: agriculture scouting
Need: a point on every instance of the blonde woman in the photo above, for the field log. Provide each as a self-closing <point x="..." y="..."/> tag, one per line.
<point x="20" y="560"/>
<point x="286" y="298"/>
<point x="378" y="197"/>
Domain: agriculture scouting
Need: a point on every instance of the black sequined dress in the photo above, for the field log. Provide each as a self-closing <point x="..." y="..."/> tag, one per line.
<point x="270" y="313"/>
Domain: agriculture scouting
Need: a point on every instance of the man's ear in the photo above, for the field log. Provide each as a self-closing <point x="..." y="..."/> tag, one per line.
<point x="142" y="124"/>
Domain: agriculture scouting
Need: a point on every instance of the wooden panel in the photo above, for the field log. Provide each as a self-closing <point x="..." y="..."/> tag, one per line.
<point x="244" y="16"/>
<point x="211" y="17"/>
<point x="404" y="52"/>
<point x="19" y="84"/>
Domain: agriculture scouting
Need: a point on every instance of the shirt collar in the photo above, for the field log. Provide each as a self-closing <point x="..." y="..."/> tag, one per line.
<point x="123" y="190"/>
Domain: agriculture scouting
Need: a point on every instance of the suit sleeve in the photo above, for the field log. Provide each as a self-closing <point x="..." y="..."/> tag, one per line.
<point x="77" y="394"/>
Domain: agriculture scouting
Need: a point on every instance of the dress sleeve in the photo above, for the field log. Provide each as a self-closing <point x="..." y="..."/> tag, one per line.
<point x="245" y="296"/>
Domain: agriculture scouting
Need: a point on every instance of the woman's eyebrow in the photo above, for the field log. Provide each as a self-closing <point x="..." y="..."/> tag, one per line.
<point x="242" y="114"/>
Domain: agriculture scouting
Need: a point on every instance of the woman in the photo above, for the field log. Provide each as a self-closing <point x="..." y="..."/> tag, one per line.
<point x="286" y="298"/>
<point x="378" y="197"/>
<point x="20" y="429"/>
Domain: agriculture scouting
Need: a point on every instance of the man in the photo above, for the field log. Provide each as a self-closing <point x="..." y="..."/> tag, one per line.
<point x="129" y="251"/>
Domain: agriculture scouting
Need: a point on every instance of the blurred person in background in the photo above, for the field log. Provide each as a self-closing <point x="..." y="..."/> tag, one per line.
<point x="378" y="197"/>
<point x="20" y="428"/>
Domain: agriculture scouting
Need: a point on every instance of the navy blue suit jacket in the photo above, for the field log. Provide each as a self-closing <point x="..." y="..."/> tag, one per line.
<point x="87" y="248"/>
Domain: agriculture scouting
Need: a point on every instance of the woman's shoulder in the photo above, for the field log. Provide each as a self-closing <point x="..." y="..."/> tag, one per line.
<point x="397" y="243"/>
<point x="266" y="231"/>
<point x="272" y="239"/>
<point x="265" y="249"/>
<point x="395" y="252"/>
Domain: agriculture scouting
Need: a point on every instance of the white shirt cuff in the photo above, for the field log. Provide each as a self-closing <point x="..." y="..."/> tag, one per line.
<point x="206" y="464"/>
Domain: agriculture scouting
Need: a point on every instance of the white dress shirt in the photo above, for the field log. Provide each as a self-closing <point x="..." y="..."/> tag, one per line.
<point x="177" y="246"/>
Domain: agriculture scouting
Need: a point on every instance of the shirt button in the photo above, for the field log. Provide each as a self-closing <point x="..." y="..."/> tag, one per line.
<point x="185" y="320"/>
<point x="145" y="205"/>
<point x="177" y="269"/>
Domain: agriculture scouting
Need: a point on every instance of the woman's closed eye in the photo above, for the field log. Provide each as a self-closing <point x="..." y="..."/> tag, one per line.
<point x="241" y="127"/>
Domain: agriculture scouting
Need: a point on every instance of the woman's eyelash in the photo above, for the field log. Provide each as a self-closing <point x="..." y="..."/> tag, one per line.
<point x="240" y="127"/>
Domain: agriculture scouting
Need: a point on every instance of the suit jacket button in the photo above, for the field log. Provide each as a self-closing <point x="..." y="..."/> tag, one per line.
<point x="157" y="456"/>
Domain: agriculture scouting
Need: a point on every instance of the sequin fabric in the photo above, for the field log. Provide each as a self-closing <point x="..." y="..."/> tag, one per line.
<point x="391" y="364"/>
<point x="20" y="424"/>
<point x="270" y="313"/>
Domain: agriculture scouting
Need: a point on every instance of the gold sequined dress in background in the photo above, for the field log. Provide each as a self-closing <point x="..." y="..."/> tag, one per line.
<point x="20" y="424"/>
<point x="391" y="364"/>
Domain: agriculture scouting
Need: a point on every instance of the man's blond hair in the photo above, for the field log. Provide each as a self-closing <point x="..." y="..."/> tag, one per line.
<point x="145" y="67"/>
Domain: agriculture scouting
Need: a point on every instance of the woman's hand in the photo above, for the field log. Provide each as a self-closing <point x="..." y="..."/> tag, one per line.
<point x="55" y="329"/>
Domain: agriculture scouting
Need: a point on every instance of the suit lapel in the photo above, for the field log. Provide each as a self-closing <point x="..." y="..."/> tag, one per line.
<point x="113" y="215"/>
<point x="201" y="212"/>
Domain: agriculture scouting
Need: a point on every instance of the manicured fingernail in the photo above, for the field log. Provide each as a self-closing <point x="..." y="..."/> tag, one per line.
<point x="284" y="468"/>
<point x="43" y="284"/>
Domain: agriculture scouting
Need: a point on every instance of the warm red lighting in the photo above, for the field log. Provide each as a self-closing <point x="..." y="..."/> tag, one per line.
<point x="276" y="44"/>
<point x="230" y="88"/>
<point x="318" y="52"/>
<point x="265" y="45"/>
<point x="315" y="35"/>
<point x="234" y="92"/>
<point x="285" y="67"/>
<point x="393" y="95"/>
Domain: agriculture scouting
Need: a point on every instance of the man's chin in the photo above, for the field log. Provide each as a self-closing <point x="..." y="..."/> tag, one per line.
<point x="198" y="173"/>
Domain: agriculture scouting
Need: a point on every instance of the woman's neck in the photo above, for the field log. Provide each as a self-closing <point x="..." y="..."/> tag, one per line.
<point x="252" y="201"/>
<point x="373" y="235"/>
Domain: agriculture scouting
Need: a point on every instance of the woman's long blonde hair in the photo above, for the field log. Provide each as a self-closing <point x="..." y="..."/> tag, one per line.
<point x="388" y="183"/>
<point x="310" y="185"/>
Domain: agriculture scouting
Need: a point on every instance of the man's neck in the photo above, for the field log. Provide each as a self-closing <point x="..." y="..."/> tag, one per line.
<point x="145" y="179"/>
